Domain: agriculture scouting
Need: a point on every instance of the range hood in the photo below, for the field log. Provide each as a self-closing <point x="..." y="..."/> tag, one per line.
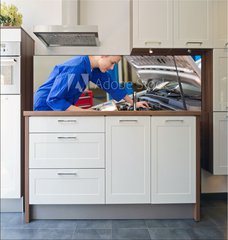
<point x="70" y="33"/>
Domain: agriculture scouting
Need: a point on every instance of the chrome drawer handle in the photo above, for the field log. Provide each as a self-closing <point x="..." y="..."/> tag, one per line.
<point x="67" y="174"/>
<point x="74" y="138"/>
<point x="133" y="121"/>
<point x="152" y="42"/>
<point x="175" y="120"/>
<point x="200" y="43"/>
<point x="226" y="44"/>
<point x="67" y="121"/>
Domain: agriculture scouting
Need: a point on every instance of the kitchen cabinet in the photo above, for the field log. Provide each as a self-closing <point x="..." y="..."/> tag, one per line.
<point x="66" y="160"/>
<point x="172" y="24"/>
<point x="10" y="137"/>
<point x="66" y="186"/>
<point x="220" y="24"/>
<point x="173" y="160"/>
<point x="127" y="160"/>
<point x="152" y="23"/>
<point x="220" y="79"/>
<point x="139" y="158"/>
<point x="220" y="110"/>
<point x="220" y="143"/>
<point x="193" y="24"/>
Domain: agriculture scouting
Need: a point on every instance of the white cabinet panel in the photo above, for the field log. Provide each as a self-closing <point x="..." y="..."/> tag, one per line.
<point x="152" y="23"/>
<point x="10" y="146"/>
<point x="66" y="124"/>
<point x="220" y="79"/>
<point x="220" y="131"/>
<point x="66" y="186"/>
<point x="66" y="150"/>
<point x="173" y="168"/>
<point x="220" y="23"/>
<point x="193" y="24"/>
<point x="127" y="160"/>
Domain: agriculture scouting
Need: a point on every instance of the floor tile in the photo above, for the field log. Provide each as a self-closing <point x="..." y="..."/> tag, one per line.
<point x="217" y="215"/>
<point x="170" y="233"/>
<point x="24" y="234"/>
<point x="153" y="223"/>
<point x="94" y="224"/>
<point x="213" y="225"/>
<point x="207" y="233"/>
<point x="129" y="224"/>
<point x="16" y="220"/>
<point x="93" y="234"/>
<point x="130" y="234"/>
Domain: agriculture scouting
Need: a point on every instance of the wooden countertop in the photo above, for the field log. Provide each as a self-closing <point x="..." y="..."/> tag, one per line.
<point x="111" y="113"/>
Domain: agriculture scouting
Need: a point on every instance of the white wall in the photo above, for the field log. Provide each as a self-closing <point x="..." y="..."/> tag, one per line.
<point x="38" y="12"/>
<point x="113" y="20"/>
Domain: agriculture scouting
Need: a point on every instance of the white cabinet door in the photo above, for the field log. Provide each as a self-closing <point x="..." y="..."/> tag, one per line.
<point x="193" y="24"/>
<point x="220" y="131"/>
<point x="66" y="150"/>
<point x="173" y="167"/>
<point x="10" y="146"/>
<point x="220" y="79"/>
<point x="220" y="24"/>
<point x="66" y="186"/>
<point x="152" y="23"/>
<point x="127" y="160"/>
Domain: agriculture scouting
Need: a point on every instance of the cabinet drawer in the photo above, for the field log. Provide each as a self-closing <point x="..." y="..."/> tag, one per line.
<point x="66" y="150"/>
<point x="66" y="124"/>
<point x="66" y="186"/>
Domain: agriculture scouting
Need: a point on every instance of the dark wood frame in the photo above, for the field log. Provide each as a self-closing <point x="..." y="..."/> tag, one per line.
<point x="204" y="120"/>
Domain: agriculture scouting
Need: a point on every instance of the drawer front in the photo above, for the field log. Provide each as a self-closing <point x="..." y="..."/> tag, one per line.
<point x="66" y="150"/>
<point x="66" y="124"/>
<point x="66" y="186"/>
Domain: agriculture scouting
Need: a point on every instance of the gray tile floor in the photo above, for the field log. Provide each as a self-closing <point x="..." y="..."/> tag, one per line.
<point x="212" y="226"/>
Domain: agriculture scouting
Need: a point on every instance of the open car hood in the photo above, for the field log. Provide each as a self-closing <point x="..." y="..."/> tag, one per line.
<point x="162" y="68"/>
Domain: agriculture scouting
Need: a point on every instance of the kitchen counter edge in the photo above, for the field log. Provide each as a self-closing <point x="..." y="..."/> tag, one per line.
<point x="111" y="113"/>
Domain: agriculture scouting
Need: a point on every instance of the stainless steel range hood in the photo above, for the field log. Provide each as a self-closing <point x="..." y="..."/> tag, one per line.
<point x="65" y="35"/>
<point x="70" y="33"/>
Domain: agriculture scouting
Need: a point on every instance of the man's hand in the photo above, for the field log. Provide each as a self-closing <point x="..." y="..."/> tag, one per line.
<point x="142" y="104"/>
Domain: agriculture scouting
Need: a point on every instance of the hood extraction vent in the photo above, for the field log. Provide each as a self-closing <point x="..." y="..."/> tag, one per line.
<point x="70" y="33"/>
<point x="55" y="36"/>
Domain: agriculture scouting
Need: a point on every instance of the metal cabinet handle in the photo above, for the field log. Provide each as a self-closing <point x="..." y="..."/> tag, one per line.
<point x="67" y="174"/>
<point x="67" y="121"/>
<point x="174" y="120"/>
<point x="200" y="43"/>
<point x="152" y="42"/>
<point x="9" y="60"/>
<point x="226" y="44"/>
<point x="128" y="120"/>
<point x="74" y="138"/>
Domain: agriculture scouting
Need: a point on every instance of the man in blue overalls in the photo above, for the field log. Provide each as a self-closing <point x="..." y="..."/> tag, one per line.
<point x="67" y="81"/>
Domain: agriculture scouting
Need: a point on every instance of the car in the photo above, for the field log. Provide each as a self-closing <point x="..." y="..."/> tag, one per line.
<point x="171" y="82"/>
